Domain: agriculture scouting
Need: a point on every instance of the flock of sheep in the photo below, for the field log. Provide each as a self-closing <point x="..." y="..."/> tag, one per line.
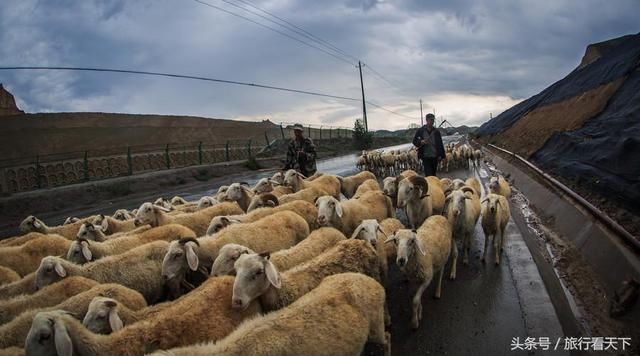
<point x="282" y="268"/>
<point x="392" y="162"/>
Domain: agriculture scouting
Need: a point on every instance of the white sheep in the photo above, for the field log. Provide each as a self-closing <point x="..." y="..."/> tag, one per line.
<point x="346" y="216"/>
<point x="200" y="316"/>
<point x="376" y="233"/>
<point x="84" y="250"/>
<point x="271" y="233"/>
<point x="462" y="211"/>
<point x="422" y="197"/>
<point x="47" y="296"/>
<point x="339" y="317"/>
<point x="111" y="226"/>
<point x="106" y="315"/>
<point x="316" y="243"/>
<point x="33" y="224"/>
<point x="122" y="215"/>
<point x="139" y="269"/>
<point x="329" y="184"/>
<point x="257" y="277"/>
<point x="495" y="217"/>
<point x="266" y="185"/>
<point x="15" y="332"/>
<point x="198" y="221"/>
<point x="498" y="185"/>
<point x="348" y="185"/>
<point x="421" y="254"/>
<point x="178" y="200"/>
<point x="206" y="202"/>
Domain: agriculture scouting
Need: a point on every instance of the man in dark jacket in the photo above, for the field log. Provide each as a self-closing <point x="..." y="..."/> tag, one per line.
<point x="301" y="153"/>
<point x="430" y="148"/>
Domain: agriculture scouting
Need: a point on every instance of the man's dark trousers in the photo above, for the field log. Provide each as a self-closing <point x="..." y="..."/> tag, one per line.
<point x="430" y="166"/>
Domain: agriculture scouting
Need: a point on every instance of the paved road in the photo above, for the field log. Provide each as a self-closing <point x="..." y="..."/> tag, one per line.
<point x="479" y="313"/>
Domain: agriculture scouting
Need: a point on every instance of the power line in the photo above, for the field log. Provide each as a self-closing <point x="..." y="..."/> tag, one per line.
<point x="170" y="75"/>
<point x="273" y="29"/>
<point x="309" y="34"/>
<point x="381" y="76"/>
<point x="193" y="77"/>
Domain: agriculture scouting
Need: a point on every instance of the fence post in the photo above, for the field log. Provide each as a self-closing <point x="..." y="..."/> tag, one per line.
<point x="200" y="153"/>
<point x="320" y="132"/>
<point x="129" y="162"/>
<point x="249" y="148"/>
<point x="86" y="166"/>
<point x="309" y="131"/>
<point x="226" y="151"/>
<point x="282" y="131"/>
<point x="38" y="172"/>
<point x="266" y="138"/>
<point x="167" y="158"/>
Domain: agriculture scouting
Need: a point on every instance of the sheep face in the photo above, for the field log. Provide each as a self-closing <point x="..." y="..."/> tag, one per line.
<point x="389" y="186"/>
<point x="492" y="201"/>
<point x="293" y="179"/>
<point x="264" y="185"/>
<point x="235" y="192"/>
<point x="102" y="316"/>
<point x="457" y="201"/>
<point x="368" y="231"/>
<point x="228" y="255"/>
<point x="163" y="202"/>
<point x="278" y="177"/>
<point x="494" y="185"/>
<point x="328" y="208"/>
<point x="406" y="244"/>
<point x="70" y="220"/>
<point x="122" y="215"/>
<point x="178" y="201"/>
<point x="218" y="223"/>
<point x="89" y="231"/>
<point x="49" y="271"/>
<point x="32" y="224"/>
<point x="457" y="184"/>
<point x="79" y="252"/>
<point x="48" y="336"/>
<point x="254" y="275"/>
<point x="181" y="256"/>
<point x="407" y="192"/>
<point x="148" y="214"/>
<point x="206" y="202"/>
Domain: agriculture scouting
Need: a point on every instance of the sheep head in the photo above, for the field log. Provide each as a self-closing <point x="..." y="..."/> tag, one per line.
<point x="390" y="186"/>
<point x="293" y="179"/>
<point x="412" y="189"/>
<point x="149" y="214"/>
<point x="32" y="224"/>
<point x="407" y="243"/>
<point x="70" y="220"/>
<point x="227" y="256"/>
<point x="329" y="208"/>
<point x="493" y="202"/>
<point x="255" y="274"/>
<point x="89" y="231"/>
<point x="218" y="223"/>
<point x="206" y="202"/>
<point x="264" y="185"/>
<point x="122" y="215"/>
<point x="278" y="177"/>
<point x="263" y="200"/>
<point x="368" y="231"/>
<point x="49" y="335"/>
<point x="235" y="192"/>
<point x="102" y="316"/>
<point x="51" y="270"/>
<point x="181" y="255"/>
<point x="455" y="201"/>
<point x="79" y="252"/>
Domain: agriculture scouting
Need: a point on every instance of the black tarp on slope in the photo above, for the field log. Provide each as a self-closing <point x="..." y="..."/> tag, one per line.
<point x="604" y="154"/>
<point x="617" y="62"/>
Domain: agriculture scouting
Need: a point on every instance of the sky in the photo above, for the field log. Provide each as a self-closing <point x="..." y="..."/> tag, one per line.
<point x="466" y="60"/>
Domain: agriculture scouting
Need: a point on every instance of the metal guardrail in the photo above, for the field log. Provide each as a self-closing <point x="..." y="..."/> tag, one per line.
<point x="597" y="213"/>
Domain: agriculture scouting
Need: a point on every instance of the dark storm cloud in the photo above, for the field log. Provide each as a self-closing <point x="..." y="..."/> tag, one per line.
<point x="466" y="58"/>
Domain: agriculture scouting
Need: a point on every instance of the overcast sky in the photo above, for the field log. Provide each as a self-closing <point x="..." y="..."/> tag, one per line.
<point x="466" y="59"/>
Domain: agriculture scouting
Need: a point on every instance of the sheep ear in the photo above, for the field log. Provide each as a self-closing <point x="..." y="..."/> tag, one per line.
<point x="114" y="320"/>
<point x="382" y="231"/>
<point x="272" y="274"/>
<point x="64" y="347"/>
<point x="85" y="250"/>
<point x="484" y="200"/>
<point x="339" y="209"/>
<point x="104" y="225"/>
<point x="356" y="232"/>
<point x="274" y="182"/>
<point x="36" y="223"/>
<point x="270" y="203"/>
<point x="390" y="239"/>
<point x="419" y="246"/>
<point x="60" y="270"/>
<point x="159" y="208"/>
<point x="192" y="257"/>
<point x="225" y="220"/>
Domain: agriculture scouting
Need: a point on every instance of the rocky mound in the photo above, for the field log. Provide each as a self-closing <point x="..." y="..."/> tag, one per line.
<point x="8" y="103"/>
<point x="585" y="128"/>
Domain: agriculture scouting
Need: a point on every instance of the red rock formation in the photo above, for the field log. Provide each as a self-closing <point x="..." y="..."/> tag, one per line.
<point x="8" y="103"/>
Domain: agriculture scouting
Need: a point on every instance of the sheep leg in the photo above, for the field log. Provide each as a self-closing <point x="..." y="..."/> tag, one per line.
<point x="486" y="246"/>
<point x="387" y="344"/>
<point x="497" y="246"/>
<point x="439" y="286"/>
<point x="454" y="261"/>
<point x="417" y="302"/>
<point x="466" y="241"/>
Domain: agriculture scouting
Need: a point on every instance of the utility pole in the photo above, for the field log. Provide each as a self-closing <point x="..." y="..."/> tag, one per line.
<point x="421" y="116"/>
<point x="364" y="107"/>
